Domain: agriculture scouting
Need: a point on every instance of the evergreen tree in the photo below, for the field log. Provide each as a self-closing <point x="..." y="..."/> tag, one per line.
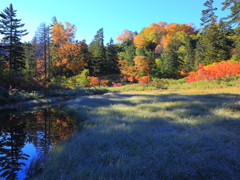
<point x="189" y="59"/>
<point x="171" y="61"/>
<point x="212" y="46"/>
<point x="97" y="64"/>
<point x="231" y="21"/>
<point x="9" y="28"/>
<point x="208" y="16"/>
<point x="112" y="58"/>
<point x="234" y="18"/>
<point x="30" y="58"/>
<point x="127" y="52"/>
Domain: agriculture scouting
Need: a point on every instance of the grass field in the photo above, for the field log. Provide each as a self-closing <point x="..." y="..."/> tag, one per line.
<point x="166" y="134"/>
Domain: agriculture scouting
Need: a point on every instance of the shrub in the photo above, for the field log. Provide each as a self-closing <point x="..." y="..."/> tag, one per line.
<point x="215" y="70"/>
<point x="144" y="80"/>
<point x="81" y="79"/>
<point x="94" y="81"/>
<point x="116" y="84"/>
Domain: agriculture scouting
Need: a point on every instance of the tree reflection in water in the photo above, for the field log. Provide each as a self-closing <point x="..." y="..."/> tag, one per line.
<point x="43" y="128"/>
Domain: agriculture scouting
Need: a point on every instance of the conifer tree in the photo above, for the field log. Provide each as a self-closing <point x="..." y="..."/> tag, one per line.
<point x="30" y="58"/>
<point x="112" y="58"/>
<point x="127" y="52"/>
<point x="231" y="21"/>
<point x="212" y="46"/>
<point x="234" y="18"/>
<point x="97" y="64"/>
<point x="10" y="29"/>
<point x="171" y="61"/>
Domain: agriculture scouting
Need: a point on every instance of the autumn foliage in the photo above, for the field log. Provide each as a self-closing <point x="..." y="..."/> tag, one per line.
<point x="125" y="36"/>
<point x="144" y="80"/>
<point x="94" y="81"/>
<point x="215" y="70"/>
<point x="68" y="51"/>
<point x="161" y="33"/>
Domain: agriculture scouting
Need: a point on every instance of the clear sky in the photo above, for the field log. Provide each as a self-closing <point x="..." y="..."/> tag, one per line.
<point x="112" y="15"/>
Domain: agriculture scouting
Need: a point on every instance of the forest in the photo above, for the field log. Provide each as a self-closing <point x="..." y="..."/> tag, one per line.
<point x="160" y="51"/>
<point x="172" y="111"/>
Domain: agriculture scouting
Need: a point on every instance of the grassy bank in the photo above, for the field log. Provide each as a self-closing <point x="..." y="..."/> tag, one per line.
<point x="191" y="134"/>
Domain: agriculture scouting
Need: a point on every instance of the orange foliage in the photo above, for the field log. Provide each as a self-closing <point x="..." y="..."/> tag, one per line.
<point x="94" y="81"/>
<point x="173" y="28"/>
<point x="139" y="40"/>
<point x="67" y="51"/>
<point x="161" y="32"/>
<point x="144" y="80"/>
<point x="104" y="82"/>
<point x="40" y="65"/>
<point x="125" y="36"/>
<point x="215" y="70"/>
<point x="126" y="69"/>
<point x="143" y="64"/>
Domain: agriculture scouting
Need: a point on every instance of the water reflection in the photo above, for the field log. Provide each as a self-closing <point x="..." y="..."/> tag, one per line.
<point x="40" y="129"/>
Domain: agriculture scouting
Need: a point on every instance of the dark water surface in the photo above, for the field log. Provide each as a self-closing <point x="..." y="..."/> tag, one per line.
<point x="26" y="136"/>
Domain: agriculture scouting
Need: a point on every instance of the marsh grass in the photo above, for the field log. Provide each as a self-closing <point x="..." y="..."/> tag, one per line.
<point x="155" y="135"/>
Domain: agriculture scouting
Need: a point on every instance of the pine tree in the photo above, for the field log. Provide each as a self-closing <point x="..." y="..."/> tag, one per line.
<point x="127" y="52"/>
<point x="231" y="21"/>
<point x="189" y="59"/>
<point x="234" y="18"/>
<point x="97" y="64"/>
<point x="112" y="58"/>
<point x="9" y="28"/>
<point x="171" y="61"/>
<point x="212" y="46"/>
<point x="208" y="16"/>
<point x="30" y="58"/>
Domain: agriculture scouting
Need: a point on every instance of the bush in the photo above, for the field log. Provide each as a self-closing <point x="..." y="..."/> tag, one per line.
<point x="215" y="71"/>
<point x="144" y="80"/>
<point x="81" y="79"/>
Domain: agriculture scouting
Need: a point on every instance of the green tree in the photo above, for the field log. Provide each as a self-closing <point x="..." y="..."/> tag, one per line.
<point x="112" y="58"/>
<point x="171" y="61"/>
<point x="10" y="29"/>
<point x="97" y="64"/>
<point x="234" y="18"/>
<point x="231" y="21"/>
<point x="30" y="58"/>
<point x="208" y="16"/>
<point x="127" y="52"/>
<point x="212" y="46"/>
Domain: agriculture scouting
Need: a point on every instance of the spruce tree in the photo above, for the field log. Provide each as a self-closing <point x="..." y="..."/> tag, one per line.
<point x="171" y="61"/>
<point x="212" y="46"/>
<point x="10" y="29"/>
<point x="234" y="18"/>
<point x="127" y="52"/>
<point x="30" y="58"/>
<point x="97" y="64"/>
<point x="233" y="21"/>
<point x="112" y="58"/>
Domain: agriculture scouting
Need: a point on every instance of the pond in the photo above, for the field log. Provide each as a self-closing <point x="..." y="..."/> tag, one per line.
<point x="29" y="135"/>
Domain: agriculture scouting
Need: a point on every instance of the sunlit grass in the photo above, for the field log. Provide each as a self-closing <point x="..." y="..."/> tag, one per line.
<point x="191" y="134"/>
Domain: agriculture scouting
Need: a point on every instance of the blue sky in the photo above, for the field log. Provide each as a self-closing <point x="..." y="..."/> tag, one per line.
<point x="111" y="15"/>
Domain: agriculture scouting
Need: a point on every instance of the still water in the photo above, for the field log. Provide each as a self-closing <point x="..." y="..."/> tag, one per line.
<point x="29" y="135"/>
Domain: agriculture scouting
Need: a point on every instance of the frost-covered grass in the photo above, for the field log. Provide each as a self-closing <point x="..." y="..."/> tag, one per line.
<point x="151" y="135"/>
<point x="12" y="99"/>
